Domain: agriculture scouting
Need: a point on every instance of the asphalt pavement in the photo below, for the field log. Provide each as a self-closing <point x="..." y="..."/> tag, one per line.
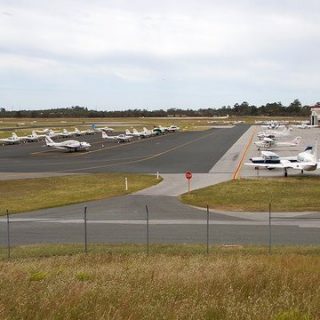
<point x="123" y="219"/>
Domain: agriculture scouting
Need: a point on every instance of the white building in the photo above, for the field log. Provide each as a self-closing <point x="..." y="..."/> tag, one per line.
<point x="315" y="115"/>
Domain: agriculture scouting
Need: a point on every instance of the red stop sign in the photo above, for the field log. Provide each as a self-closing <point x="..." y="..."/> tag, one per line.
<point x="188" y="175"/>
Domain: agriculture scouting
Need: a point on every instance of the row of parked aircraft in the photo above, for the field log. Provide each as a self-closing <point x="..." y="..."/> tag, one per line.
<point x="38" y="135"/>
<point x="75" y="145"/>
<point x="271" y="138"/>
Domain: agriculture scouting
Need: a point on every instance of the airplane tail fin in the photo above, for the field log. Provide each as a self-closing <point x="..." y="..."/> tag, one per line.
<point x="135" y="130"/>
<point x="104" y="135"/>
<point x="127" y="132"/>
<point x="34" y="133"/>
<point x="49" y="141"/>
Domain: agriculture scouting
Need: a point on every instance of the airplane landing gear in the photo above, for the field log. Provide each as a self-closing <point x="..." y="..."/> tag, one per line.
<point x="285" y="172"/>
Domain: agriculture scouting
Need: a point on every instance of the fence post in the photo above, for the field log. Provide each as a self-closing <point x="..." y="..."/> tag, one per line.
<point x="8" y="235"/>
<point x="147" y="211"/>
<point x="85" y="231"/>
<point x="126" y="183"/>
<point x="208" y="213"/>
<point x="270" y="243"/>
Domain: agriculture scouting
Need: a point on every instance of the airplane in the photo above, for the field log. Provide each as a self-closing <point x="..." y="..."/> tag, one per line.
<point x="45" y="131"/>
<point x="173" y="128"/>
<point x="11" y="140"/>
<point x="272" y="157"/>
<point x="66" y="134"/>
<point x="83" y="132"/>
<point x="120" y="138"/>
<point x="272" y="134"/>
<point x="147" y="133"/>
<point x="106" y="129"/>
<point x="53" y="134"/>
<point x="34" y="137"/>
<point x="134" y="133"/>
<point x="306" y="161"/>
<point x="69" y="145"/>
<point x="268" y="143"/>
<point x="159" y="130"/>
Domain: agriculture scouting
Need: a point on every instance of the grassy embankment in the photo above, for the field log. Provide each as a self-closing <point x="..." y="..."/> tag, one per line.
<point x="285" y="194"/>
<point x="174" y="282"/>
<point x="32" y="194"/>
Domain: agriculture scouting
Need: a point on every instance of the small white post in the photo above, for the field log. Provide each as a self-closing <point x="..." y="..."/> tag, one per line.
<point x="126" y="183"/>
<point x="157" y="175"/>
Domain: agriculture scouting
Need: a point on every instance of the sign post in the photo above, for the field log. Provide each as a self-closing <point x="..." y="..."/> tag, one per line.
<point x="188" y="175"/>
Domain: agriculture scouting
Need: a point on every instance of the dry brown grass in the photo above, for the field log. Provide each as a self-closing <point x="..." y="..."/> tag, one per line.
<point x="228" y="284"/>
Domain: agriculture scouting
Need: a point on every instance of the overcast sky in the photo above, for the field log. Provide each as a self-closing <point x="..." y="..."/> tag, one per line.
<point x="122" y="54"/>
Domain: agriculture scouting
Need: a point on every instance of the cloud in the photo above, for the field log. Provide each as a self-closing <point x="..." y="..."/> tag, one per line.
<point x="136" y="43"/>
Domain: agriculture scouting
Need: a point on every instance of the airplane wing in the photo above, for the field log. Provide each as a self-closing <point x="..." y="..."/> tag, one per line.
<point x="266" y="165"/>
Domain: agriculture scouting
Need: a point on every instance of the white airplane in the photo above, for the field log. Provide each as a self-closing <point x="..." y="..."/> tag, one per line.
<point x="268" y="143"/>
<point x="272" y="134"/>
<point x="34" y="137"/>
<point x="11" y="140"/>
<point x="159" y="130"/>
<point x="120" y="138"/>
<point x="173" y="128"/>
<point x="53" y="134"/>
<point x="134" y="133"/>
<point x="66" y="134"/>
<point x="83" y="132"/>
<point x="69" y="145"/>
<point x="147" y="133"/>
<point x="43" y="131"/>
<point x="106" y="129"/>
<point x="306" y="161"/>
<point x="272" y="157"/>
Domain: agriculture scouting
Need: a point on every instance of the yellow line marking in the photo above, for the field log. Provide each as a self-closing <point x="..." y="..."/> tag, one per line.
<point x="146" y="158"/>
<point x="237" y="171"/>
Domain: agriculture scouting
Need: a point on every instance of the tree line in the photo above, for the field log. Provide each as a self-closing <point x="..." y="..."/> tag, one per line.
<point x="244" y="109"/>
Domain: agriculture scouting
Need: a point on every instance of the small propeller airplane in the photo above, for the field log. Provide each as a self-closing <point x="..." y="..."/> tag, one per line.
<point x="268" y="143"/>
<point x="69" y="145"/>
<point x="273" y="134"/>
<point x="306" y="161"/>
<point x="119" y="138"/>
<point x="10" y="140"/>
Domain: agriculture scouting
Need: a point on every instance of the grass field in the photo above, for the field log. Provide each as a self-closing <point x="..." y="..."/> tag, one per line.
<point x="31" y="194"/>
<point x="173" y="282"/>
<point x="285" y="194"/>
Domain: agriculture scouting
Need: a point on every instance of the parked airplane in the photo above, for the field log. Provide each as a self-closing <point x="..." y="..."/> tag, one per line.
<point x="134" y="133"/>
<point x="34" y="137"/>
<point x="272" y="134"/>
<point x="66" y="134"/>
<point x="83" y="132"/>
<point x="268" y="143"/>
<point x="173" y="128"/>
<point x="306" y="161"/>
<point x="69" y="145"/>
<point x="272" y="157"/>
<point x="106" y="129"/>
<point x="120" y="138"/>
<point x="53" y="134"/>
<point x="11" y="140"/>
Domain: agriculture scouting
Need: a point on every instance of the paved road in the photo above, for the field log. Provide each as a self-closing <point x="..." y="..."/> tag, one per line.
<point x="123" y="219"/>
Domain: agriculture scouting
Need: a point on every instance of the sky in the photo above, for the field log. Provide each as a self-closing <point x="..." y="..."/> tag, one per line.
<point x="120" y="54"/>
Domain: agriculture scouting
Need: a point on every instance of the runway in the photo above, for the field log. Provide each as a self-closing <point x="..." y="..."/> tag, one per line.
<point x="170" y="153"/>
<point x="123" y="219"/>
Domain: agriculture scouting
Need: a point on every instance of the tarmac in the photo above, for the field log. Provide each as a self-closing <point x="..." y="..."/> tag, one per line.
<point x="123" y="219"/>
